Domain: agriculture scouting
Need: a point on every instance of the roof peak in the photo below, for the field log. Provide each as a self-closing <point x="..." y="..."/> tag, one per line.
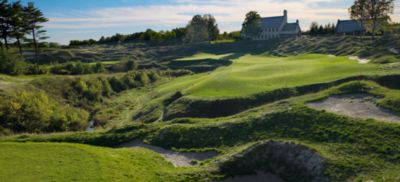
<point x="272" y="17"/>
<point x="346" y="20"/>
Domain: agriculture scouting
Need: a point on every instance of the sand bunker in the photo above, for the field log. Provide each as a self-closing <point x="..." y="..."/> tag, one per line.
<point x="259" y="177"/>
<point x="355" y="105"/>
<point x="361" y="61"/>
<point x="179" y="159"/>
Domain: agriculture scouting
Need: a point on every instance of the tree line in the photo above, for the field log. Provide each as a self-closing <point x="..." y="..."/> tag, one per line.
<point x="328" y="29"/>
<point x="17" y="21"/>
<point x="175" y="35"/>
<point x="201" y="28"/>
<point x="372" y="14"/>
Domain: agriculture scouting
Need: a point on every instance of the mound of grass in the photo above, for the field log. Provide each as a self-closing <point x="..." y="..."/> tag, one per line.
<point x="254" y="74"/>
<point x="203" y="56"/>
<point x="74" y="162"/>
<point x="361" y="141"/>
<point x="351" y="148"/>
<point x="37" y="112"/>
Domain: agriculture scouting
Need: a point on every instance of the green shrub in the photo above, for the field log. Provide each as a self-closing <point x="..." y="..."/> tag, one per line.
<point x="11" y="64"/>
<point x="124" y="66"/>
<point x="117" y="84"/>
<point x="142" y="78"/>
<point x="88" y="91"/>
<point x="131" y="65"/>
<point x="77" y="68"/>
<point x="36" y="112"/>
<point x="107" y="90"/>
<point x="99" y="68"/>
<point x="154" y="76"/>
<point x="129" y="81"/>
<point x="34" y="69"/>
<point x="175" y="73"/>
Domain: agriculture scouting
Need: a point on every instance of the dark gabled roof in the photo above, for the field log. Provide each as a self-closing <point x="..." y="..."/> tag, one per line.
<point x="290" y="27"/>
<point x="348" y="26"/>
<point x="272" y="22"/>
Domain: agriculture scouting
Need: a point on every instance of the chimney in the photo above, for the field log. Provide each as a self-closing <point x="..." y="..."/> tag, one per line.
<point x="285" y="15"/>
<point x="297" y="21"/>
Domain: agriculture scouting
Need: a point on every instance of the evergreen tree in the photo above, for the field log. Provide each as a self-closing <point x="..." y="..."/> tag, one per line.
<point x="18" y="25"/>
<point x="320" y="30"/>
<point x="5" y="20"/>
<point x="34" y="17"/>
<point x="314" y="28"/>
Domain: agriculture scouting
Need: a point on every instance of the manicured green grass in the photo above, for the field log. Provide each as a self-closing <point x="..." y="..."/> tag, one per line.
<point x="105" y="62"/>
<point x="201" y="56"/>
<point x="252" y="74"/>
<point x="74" y="162"/>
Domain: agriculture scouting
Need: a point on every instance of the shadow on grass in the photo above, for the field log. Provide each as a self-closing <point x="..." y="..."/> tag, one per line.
<point x="198" y="66"/>
<point x="187" y="107"/>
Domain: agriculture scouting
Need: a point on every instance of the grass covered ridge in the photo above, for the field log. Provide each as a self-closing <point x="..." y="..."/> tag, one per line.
<point x="252" y="74"/>
<point x="260" y="93"/>
<point x="74" y="162"/>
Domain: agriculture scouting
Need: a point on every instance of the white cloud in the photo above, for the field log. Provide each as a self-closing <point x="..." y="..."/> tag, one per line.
<point x="229" y="13"/>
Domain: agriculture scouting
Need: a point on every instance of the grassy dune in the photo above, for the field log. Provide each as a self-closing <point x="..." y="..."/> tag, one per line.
<point x="252" y="74"/>
<point x="354" y="149"/>
<point x="74" y="162"/>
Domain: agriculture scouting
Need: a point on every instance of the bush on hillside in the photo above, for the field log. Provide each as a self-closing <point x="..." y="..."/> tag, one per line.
<point x="124" y="66"/>
<point x="12" y="64"/>
<point x="117" y="84"/>
<point x="176" y="73"/>
<point x="84" y="91"/>
<point x="36" y="112"/>
<point x="77" y="68"/>
<point x="34" y="69"/>
<point x="15" y="65"/>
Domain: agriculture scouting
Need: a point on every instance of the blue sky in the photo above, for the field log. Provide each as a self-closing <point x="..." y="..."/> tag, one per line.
<point x="83" y="19"/>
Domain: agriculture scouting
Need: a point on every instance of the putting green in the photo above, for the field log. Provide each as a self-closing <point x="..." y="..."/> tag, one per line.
<point x="252" y="74"/>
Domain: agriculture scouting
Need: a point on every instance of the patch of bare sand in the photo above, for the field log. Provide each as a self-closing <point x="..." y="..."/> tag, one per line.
<point x="179" y="159"/>
<point x="361" y="61"/>
<point x="355" y="105"/>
